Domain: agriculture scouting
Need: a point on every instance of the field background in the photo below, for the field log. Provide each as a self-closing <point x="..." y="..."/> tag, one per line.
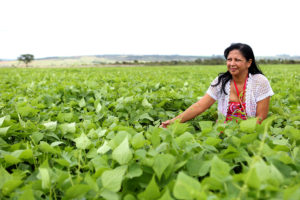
<point x="140" y="60"/>
<point x="66" y="131"/>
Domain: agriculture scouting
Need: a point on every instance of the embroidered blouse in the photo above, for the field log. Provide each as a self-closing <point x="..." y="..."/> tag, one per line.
<point x="257" y="89"/>
<point x="236" y="110"/>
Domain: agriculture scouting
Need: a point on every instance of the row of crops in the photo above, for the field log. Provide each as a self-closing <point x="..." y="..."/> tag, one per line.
<point x="93" y="133"/>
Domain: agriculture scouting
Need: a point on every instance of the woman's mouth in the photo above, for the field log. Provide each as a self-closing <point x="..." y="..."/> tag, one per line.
<point x="233" y="69"/>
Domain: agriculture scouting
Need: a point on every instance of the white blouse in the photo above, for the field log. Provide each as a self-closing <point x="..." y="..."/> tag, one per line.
<point x="257" y="89"/>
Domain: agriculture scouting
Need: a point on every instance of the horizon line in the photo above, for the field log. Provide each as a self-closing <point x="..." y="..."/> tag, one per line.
<point x="180" y="55"/>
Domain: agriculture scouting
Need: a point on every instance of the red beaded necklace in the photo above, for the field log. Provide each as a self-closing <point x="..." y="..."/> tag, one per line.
<point x="240" y="96"/>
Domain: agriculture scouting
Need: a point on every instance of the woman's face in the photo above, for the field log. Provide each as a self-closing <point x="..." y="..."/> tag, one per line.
<point x="237" y="64"/>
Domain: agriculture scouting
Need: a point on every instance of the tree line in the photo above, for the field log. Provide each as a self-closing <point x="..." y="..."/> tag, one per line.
<point x="27" y="58"/>
<point x="210" y="61"/>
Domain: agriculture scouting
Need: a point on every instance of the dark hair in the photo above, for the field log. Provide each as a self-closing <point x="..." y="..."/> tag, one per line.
<point x="247" y="52"/>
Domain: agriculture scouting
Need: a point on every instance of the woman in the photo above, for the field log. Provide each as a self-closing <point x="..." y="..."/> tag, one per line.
<point x="243" y="91"/>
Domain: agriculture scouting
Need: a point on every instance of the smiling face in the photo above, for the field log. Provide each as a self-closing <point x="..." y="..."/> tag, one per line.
<point x="237" y="64"/>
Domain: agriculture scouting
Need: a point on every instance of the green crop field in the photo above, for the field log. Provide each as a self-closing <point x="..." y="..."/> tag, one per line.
<point x="93" y="133"/>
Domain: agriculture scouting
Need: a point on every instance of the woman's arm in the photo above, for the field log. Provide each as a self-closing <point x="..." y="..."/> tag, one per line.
<point x="262" y="109"/>
<point x="194" y="110"/>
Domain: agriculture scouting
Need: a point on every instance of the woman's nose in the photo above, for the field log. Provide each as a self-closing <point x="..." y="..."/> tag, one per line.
<point x="231" y="62"/>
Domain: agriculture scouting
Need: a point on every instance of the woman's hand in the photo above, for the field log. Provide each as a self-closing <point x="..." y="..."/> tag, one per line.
<point x="165" y="124"/>
<point x="194" y="110"/>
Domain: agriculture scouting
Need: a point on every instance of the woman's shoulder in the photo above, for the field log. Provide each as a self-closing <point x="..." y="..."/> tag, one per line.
<point x="259" y="81"/>
<point x="215" y="80"/>
<point x="259" y="78"/>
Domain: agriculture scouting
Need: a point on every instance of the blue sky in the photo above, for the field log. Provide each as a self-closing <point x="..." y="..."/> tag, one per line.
<point x="185" y="27"/>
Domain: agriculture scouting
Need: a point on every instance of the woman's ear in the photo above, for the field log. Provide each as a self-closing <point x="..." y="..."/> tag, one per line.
<point x="249" y="62"/>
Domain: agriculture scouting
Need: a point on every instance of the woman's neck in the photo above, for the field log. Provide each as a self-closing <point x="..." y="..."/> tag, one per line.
<point x="240" y="79"/>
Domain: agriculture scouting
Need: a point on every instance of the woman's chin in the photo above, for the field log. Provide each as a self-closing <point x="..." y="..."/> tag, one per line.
<point x="234" y="73"/>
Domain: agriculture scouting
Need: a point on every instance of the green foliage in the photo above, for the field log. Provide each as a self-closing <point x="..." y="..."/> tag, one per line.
<point x="186" y="187"/>
<point x="93" y="133"/>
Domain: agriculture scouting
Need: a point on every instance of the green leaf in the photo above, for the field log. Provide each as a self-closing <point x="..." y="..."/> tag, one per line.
<point x="166" y="196"/>
<point x="98" y="108"/>
<point x="284" y="157"/>
<point x="2" y="120"/>
<point x="76" y="191"/>
<point x="253" y="180"/>
<point x="17" y="153"/>
<point x="62" y="162"/>
<point x="248" y="138"/>
<point x="267" y="173"/>
<point x="236" y="141"/>
<point x="56" y="143"/>
<point x="112" y="179"/>
<point x="186" y="187"/>
<point x="230" y="153"/>
<point x="116" y="141"/>
<point x="212" y="184"/>
<point x="37" y="137"/>
<point x="65" y="117"/>
<point x="219" y="169"/>
<point x="193" y="166"/>
<point x="206" y="126"/>
<point x="292" y="192"/>
<point x="50" y="126"/>
<point x="129" y="197"/>
<point x="292" y="133"/>
<point x="100" y="132"/>
<point x="104" y="148"/>
<point x="155" y="138"/>
<point x="10" y="185"/>
<point x="146" y="104"/>
<point x="248" y="125"/>
<point x="27" y="193"/>
<point x="46" y="148"/>
<point x="82" y="142"/>
<point x="178" y="128"/>
<point x="3" y="143"/>
<point x="151" y="192"/>
<point x="213" y="141"/>
<point x="11" y="160"/>
<point x="26" y="154"/>
<point x="82" y="103"/>
<point x="138" y="140"/>
<point x="275" y="176"/>
<point x="91" y="182"/>
<point x="146" y="116"/>
<point x="204" y="168"/>
<point x="99" y="162"/>
<point x="26" y="110"/>
<point x="4" y="130"/>
<point x="45" y="177"/>
<point x="161" y="162"/>
<point x="197" y="167"/>
<point x="68" y="128"/>
<point x="109" y="195"/>
<point x="184" y="139"/>
<point x="134" y="171"/>
<point x="4" y="176"/>
<point x="122" y="154"/>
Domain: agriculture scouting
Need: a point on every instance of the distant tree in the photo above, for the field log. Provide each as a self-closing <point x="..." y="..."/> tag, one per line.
<point x="198" y="61"/>
<point x="26" y="58"/>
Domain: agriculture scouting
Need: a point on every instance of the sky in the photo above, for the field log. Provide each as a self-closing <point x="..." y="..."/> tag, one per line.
<point x="47" y="28"/>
